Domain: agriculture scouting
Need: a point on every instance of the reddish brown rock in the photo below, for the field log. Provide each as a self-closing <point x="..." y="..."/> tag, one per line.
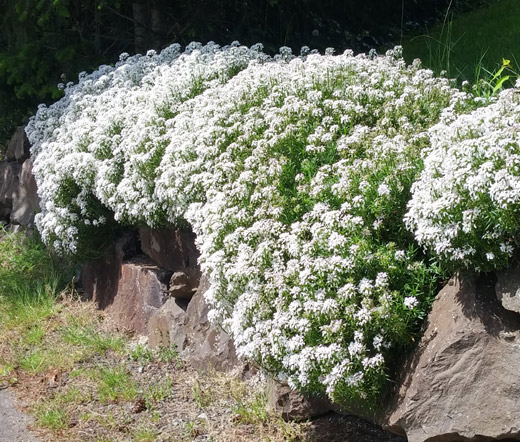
<point x="25" y="197"/>
<point x="462" y="383"/>
<point x="142" y="289"/>
<point x="100" y="278"/>
<point x="171" y="249"/>
<point x="184" y="283"/>
<point x="18" y="146"/>
<point x="206" y="344"/>
<point x="291" y="405"/>
<point x="167" y="326"/>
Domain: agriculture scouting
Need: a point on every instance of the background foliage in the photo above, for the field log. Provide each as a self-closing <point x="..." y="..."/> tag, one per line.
<point x="44" y="42"/>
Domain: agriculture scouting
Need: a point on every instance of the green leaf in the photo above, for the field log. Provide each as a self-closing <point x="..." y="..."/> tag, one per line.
<point x="500" y="82"/>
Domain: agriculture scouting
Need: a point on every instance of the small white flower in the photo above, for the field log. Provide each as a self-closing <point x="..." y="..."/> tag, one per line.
<point x="383" y="189"/>
<point x="410" y="302"/>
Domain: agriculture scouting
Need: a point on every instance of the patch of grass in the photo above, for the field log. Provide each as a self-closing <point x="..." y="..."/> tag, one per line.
<point x="158" y="391"/>
<point x="28" y="273"/>
<point x="91" y="340"/>
<point x="35" y="334"/>
<point x="34" y="362"/>
<point x="253" y="411"/>
<point x="73" y="395"/>
<point x="201" y="395"/>
<point x="115" y="384"/>
<point x="51" y="415"/>
<point x="479" y="38"/>
<point x="145" y="434"/>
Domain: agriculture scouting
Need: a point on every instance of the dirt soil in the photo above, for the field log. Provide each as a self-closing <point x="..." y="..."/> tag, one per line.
<point x="196" y="407"/>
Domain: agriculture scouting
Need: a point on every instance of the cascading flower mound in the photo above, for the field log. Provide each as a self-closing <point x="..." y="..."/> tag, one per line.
<point x="295" y="174"/>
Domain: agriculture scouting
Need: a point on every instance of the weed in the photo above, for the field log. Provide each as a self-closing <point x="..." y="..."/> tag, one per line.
<point x="51" y="415"/>
<point x="158" y="392"/>
<point x="201" y="396"/>
<point x="169" y="354"/>
<point x="115" y="384"/>
<point x="488" y="84"/>
<point x="144" y="434"/>
<point x="141" y="353"/>
<point x="191" y="429"/>
<point x="253" y="411"/>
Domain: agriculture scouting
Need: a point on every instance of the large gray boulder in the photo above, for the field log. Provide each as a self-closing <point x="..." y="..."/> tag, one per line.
<point x="185" y="325"/>
<point x="18" y="146"/>
<point x="9" y="182"/>
<point x="206" y="343"/>
<point x="167" y="326"/>
<point x="462" y="383"/>
<point x="25" y="197"/>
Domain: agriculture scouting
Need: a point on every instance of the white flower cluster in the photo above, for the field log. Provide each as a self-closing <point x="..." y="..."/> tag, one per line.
<point x="306" y="169"/>
<point x="465" y="205"/>
<point x="294" y="173"/>
<point x="98" y="148"/>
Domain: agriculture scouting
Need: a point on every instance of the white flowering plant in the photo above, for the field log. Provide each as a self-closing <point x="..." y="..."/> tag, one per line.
<point x="98" y="148"/>
<point x="306" y="177"/>
<point x="295" y="174"/>
<point x="464" y="207"/>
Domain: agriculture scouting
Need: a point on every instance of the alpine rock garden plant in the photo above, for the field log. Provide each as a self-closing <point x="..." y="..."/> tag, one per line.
<point x="297" y="175"/>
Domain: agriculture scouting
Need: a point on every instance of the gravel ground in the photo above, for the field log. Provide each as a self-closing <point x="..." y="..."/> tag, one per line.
<point x="13" y="424"/>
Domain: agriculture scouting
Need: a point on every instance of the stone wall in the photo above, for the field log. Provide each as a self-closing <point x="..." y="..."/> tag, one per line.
<point x="150" y="283"/>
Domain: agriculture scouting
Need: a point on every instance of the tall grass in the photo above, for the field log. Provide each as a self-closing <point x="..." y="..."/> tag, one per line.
<point x="28" y="273"/>
<point x="30" y="283"/>
<point x="471" y="47"/>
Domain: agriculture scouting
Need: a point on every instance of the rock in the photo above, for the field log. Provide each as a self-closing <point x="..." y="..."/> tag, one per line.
<point x="99" y="279"/>
<point x="508" y="288"/>
<point x="167" y="326"/>
<point x="334" y="427"/>
<point x="206" y="344"/>
<point x="186" y="326"/>
<point x="18" y="146"/>
<point x="9" y="182"/>
<point x="142" y="289"/>
<point x="184" y="283"/>
<point x="291" y="405"/>
<point x="171" y="249"/>
<point x="25" y="197"/>
<point x="462" y="383"/>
